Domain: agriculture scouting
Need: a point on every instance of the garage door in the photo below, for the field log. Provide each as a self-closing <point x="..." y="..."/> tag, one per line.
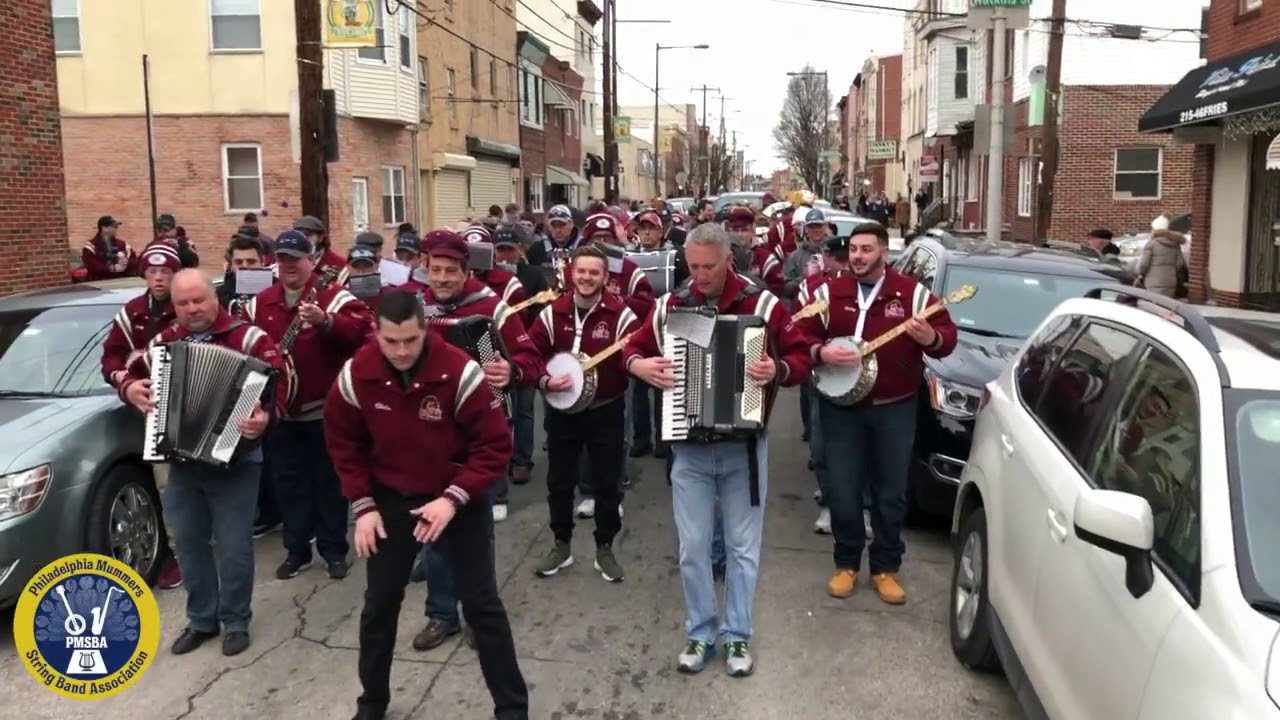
<point x="451" y="198"/>
<point x="490" y="184"/>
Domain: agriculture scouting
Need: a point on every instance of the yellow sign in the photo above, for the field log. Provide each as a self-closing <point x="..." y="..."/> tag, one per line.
<point x="87" y="626"/>
<point x="622" y="129"/>
<point x="664" y="143"/>
<point x="351" y="23"/>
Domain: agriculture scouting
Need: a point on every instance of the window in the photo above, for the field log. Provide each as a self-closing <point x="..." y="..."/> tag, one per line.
<point x="1011" y="304"/>
<point x="1249" y="5"/>
<point x="392" y="195"/>
<point x="1075" y="393"/>
<point x="475" y="71"/>
<point x="377" y="53"/>
<point x="405" y="24"/>
<point x="1252" y="437"/>
<point x="235" y="24"/>
<point x="1027" y="167"/>
<point x="962" y="73"/>
<point x="535" y="194"/>
<point x="424" y="89"/>
<point x="360" y="204"/>
<point x="242" y="177"/>
<point x="974" y="179"/>
<point x="1151" y="449"/>
<point x="1043" y="353"/>
<point x="1138" y="173"/>
<point x="56" y="350"/>
<point x="66" y="26"/>
<point x="531" y="110"/>
<point x="924" y="267"/>
<point x="451" y="90"/>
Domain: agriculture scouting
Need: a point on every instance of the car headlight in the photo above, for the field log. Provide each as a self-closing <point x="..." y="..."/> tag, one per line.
<point x="22" y="492"/>
<point x="951" y="397"/>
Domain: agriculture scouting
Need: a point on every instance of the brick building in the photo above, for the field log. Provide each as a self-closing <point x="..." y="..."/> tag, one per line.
<point x="33" y="220"/>
<point x="1227" y="110"/>
<point x="880" y="94"/>
<point x="562" y="134"/>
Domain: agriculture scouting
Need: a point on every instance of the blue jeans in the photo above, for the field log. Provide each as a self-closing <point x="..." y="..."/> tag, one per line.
<point x="875" y="456"/>
<point x="806" y="402"/>
<point x="706" y="481"/>
<point x="308" y="492"/>
<point x="442" y="594"/>
<point x="817" y="446"/>
<point x="642" y="405"/>
<point x="522" y="428"/>
<point x="717" y="539"/>
<point x="208" y="506"/>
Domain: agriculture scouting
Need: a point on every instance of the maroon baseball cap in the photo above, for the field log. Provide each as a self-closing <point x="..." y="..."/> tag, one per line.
<point x="478" y="234"/>
<point x="741" y="217"/>
<point x="649" y="216"/>
<point x="446" y="243"/>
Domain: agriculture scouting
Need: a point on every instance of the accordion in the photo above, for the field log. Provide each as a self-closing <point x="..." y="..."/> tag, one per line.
<point x="477" y="336"/>
<point x="659" y="267"/>
<point x="202" y="392"/>
<point x="713" y="398"/>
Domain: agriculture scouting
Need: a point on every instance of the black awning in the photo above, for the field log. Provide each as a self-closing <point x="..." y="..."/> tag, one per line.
<point x="1243" y="82"/>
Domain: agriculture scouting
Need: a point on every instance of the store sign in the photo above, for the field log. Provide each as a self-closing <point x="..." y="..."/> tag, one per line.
<point x="928" y="170"/>
<point x="882" y="150"/>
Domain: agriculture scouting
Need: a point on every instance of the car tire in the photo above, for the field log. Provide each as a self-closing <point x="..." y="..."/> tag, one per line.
<point x="969" y="614"/>
<point x="121" y="481"/>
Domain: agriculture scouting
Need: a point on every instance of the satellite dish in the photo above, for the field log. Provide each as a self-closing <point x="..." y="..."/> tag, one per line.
<point x="1037" y="74"/>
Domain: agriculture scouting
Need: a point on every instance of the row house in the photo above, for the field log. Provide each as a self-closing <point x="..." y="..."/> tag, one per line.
<point x="550" y="131"/>
<point x="879" y="125"/>
<point x="224" y="98"/>
<point x="676" y="134"/>
<point x="1226" y="114"/>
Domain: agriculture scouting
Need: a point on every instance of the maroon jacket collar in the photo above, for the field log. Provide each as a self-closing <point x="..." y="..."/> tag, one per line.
<point x="225" y="323"/>
<point x="733" y="287"/>
<point x="608" y="301"/>
<point x="846" y="284"/>
<point x="370" y="364"/>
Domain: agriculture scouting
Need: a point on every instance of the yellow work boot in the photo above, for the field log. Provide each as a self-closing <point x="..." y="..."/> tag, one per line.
<point x="842" y="583"/>
<point x="888" y="588"/>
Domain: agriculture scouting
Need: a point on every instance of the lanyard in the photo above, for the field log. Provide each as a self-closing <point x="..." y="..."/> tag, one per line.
<point x="864" y="307"/>
<point x="579" y="323"/>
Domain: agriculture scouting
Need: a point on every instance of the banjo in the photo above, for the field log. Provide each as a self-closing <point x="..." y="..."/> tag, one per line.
<point x="545" y="296"/>
<point x="847" y="386"/>
<point x="582" y="372"/>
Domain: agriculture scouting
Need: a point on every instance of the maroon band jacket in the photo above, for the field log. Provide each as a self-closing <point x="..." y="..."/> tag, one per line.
<point x="557" y="326"/>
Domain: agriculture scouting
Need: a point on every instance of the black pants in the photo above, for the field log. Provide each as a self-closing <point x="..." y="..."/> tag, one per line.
<point x="598" y="431"/>
<point x="308" y="492"/>
<point x="468" y="543"/>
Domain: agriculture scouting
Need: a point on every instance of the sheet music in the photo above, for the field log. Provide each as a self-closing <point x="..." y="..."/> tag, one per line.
<point x="251" y="281"/>
<point x="393" y="272"/>
<point x="615" y="265"/>
<point x="696" y="327"/>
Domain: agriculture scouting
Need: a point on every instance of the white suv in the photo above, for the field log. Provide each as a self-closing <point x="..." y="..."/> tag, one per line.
<point x="1117" y="527"/>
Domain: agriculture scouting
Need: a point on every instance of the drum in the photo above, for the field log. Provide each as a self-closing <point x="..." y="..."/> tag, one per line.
<point x="843" y="385"/>
<point x="581" y="393"/>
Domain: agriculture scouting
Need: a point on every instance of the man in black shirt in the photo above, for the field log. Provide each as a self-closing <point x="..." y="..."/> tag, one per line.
<point x="1100" y="240"/>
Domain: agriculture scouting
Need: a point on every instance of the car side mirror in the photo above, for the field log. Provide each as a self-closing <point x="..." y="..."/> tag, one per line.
<point x="1119" y="523"/>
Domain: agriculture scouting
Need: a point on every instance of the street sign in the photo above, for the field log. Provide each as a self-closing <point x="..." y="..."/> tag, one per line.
<point x="1016" y="14"/>
<point x="1002" y="3"/>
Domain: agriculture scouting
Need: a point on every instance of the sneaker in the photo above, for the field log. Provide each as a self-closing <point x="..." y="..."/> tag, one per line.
<point x="264" y="529"/>
<point x="738" y="661"/>
<point x="337" y="569"/>
<point x="587" y="508"/>
<point x="170" y="577"/>
<point x="822" y="525"/>
<point x="434" y="634"/>
<point x="842" y="583"/>
<point x="607" y="565"/>
<point x="695" y="657"/>
<point x="557" y="559"/>
<point x="499" y="512"/>
<point x="291" y="567"/>
<point x="889" y="589"/>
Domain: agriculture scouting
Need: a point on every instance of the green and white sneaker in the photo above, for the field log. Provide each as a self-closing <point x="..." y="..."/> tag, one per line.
<point x="695" y="657"/>
<point x="738" y="661"/>
<point x="556" y="559"/>
<point x="607" y="565"/>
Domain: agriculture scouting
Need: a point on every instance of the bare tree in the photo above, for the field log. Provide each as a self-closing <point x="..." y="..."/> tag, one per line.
<point x="804" y="123"/>
<point x="722" y="169"/>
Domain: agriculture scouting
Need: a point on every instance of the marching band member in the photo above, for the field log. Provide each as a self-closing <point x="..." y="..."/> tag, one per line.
<point x="324" y="258"/>
<point x="782" y="234"/>
<point x="453" y="293"/>
<point x="762" y="263"/>
<point x="409" y="250"/>
<point x="729" y="475"/>
<point x="629" y="282"/>
<point x="371" y="241"/>
<point x="137" y="323"/>
<point x="418" y="438"/>
<point x="502" y="282"/>
<point x="649" y="238"/>
<point x="334" y="324"/>
<point x="362" y="278"/>
<point x="878" y="432"/>
<point x="562" y="239"/>
<point x="107" y="256"/>
<point x="209" y="505"/>
<point x="586" y="321"/>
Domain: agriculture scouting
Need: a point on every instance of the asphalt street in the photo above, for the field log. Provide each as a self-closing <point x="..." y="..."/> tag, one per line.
<point x="589" y="649"/>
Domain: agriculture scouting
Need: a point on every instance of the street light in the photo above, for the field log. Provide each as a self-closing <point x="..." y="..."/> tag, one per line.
<point x="826" y="114"/>
<point x="657" y="56"/>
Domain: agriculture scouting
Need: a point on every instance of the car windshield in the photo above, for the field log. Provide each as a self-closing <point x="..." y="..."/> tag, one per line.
<point x="1257" y="445"/>
<point x="54" y="351"/>
<point x="753" y="199"/>
<point x="845" y="224"/>
<point x="1011" y="303"/>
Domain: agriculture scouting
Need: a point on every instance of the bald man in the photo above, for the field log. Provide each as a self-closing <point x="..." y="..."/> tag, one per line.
<point x="208" y="505"/>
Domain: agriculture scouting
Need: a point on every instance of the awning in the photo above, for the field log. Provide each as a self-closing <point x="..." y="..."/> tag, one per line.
<point x="557" y="97"/>
<point x="1242" y="83"/>
<point x="560" y="176"/>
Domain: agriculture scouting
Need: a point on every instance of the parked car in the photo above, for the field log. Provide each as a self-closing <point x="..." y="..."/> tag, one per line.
<point x="754" y="199"/>
<point x="1117" y="531"/>
<point x="1132" y="245"/>
<point x="1018" y="285"/>
<point x="681" y="204"/>
<point x="71" y="475"/>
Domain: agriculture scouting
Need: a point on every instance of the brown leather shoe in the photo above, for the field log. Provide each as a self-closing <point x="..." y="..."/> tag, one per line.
<point x="842" y="583"/>
<point x="889" y="589"/>
<point x="520" y="475"/>
<point x="434" y="635"/>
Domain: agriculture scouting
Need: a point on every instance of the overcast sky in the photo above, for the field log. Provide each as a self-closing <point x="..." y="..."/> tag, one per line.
<point x="754" y="43"/>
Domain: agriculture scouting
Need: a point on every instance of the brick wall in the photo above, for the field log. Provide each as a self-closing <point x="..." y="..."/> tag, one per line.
<point x="889" y="76"/>
<point x="533" y="158"/>
<point x="1096" y="121"/>
<point x="112" y="178"/>
<point x="1201" y="207"/>
<point x="563" y="135"/>
<point x="1231" y="32"/>
<point x="33" y="219"/>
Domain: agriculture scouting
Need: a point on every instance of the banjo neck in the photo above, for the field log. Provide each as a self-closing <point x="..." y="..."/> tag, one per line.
<point x="545" y="296"/>
<point x="606" y="353"/>
<point x="901" y="328"/>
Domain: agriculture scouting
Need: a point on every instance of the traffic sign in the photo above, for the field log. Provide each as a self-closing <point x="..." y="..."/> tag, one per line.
<point x="1002" y="3"/>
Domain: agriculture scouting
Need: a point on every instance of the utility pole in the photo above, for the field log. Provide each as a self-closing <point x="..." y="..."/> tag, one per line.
<point x="311" y="116"/>
<point x="610" y="142"/>
<point x="703" y="131"/>
<point x="1049" y="141"/>
<point x="735" y="172"/>
<point x="995" y="156"/>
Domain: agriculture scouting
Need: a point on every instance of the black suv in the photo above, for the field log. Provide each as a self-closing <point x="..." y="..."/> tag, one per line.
<point x="1018" y="284"/>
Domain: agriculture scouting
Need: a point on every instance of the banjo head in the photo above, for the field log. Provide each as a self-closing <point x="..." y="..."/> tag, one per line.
<point x="839" y="383"/>
<point x="566" y="364"/>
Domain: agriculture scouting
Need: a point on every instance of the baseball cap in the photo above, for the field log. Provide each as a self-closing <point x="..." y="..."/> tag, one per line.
<point x="410" y="242"/>
<point x="600" y="224"/>
<point x="446" y="243"/>
<point x="370" y="239"/>
<point x="361" y="253"/>
<point x="742" y="217"/>
<point x="506" y="236"/>
<point x="478" y="234"/>
<point x="1101" y="234"/>
<point x="838" y="244"/>
<point x="108" y="221"/>
<point x="815" y="217"/>
<point x="309" y="223"/>
<point x="650" y="217"/>
<point x="294" y="243"/>
<point x="560" y="214"/>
